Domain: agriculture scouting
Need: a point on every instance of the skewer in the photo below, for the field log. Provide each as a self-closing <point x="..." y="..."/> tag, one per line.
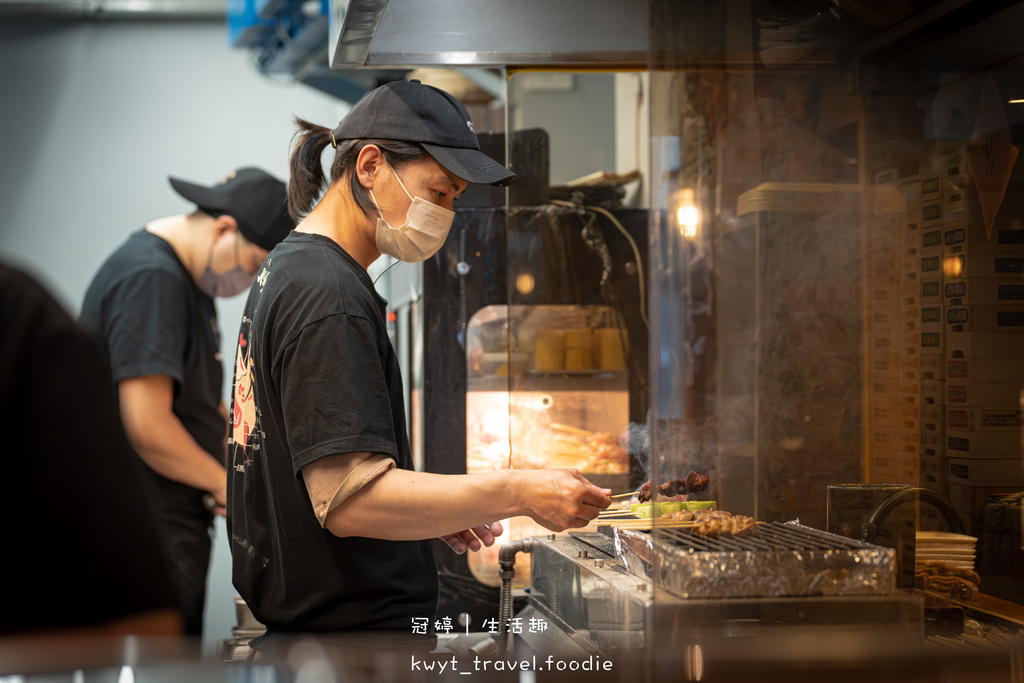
<point x="571" y="430"/>
<point x="625" y="495"/>
<point x="645" y="523"/>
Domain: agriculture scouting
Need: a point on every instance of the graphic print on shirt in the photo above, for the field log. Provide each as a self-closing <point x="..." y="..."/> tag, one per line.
<point x="245" y="420"/>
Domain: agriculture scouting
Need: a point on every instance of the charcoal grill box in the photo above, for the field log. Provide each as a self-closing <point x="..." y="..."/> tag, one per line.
<point x="601" y="592"/>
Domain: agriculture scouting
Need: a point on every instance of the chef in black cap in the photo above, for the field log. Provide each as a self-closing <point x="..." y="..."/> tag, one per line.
<point x="329" y="524"/>
<point x="151" y="306"/>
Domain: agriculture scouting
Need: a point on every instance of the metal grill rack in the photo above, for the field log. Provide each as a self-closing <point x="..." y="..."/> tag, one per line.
<point x="781" y="559"/>
<point x="769" y="537"/>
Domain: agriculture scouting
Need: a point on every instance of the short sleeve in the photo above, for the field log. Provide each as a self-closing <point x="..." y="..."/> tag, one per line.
<point x="334" y="395"/>
<point x="143" y="326"/>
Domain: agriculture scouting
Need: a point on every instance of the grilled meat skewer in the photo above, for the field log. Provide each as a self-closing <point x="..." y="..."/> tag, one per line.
<point x="693" y="482"/>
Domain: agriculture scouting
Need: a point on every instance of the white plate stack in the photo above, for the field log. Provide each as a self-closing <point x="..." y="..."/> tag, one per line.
<point x="956" y="550"/>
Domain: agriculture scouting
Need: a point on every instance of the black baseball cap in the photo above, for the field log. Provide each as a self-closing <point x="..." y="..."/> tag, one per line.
<point x="410" y="111"/>
<point x="255" y="199"/>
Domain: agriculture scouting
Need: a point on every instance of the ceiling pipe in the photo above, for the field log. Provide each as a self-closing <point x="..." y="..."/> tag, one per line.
<point x="114" y="10"/>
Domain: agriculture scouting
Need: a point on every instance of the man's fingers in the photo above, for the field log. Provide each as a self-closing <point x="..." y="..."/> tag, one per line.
<point x="454" y="541"/>
<point x="483" y="532"/>
<point x="596" y="497"/>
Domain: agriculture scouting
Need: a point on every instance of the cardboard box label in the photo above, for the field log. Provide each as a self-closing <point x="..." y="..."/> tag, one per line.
<point x="930" y="186"/>
<point x="932" y="264"/>
<point x="956" y="393"/>
<point x="1010" y="292"/>
<point x="1002" y="418"/>
<point x="955" y="215"/>
<point x="953" y="237"/>
<point x="956" y="369"/>
<point x="954" y="187"/>
<point x="1009" y="265"/>
<point x="957" y="419"/>
<point x="932" y="238"/>
<point x="956" y="315"/>
<point x="954" y="162"/>
<point x="1003" y="237"/>
<point x="931" y="340"/>
<point x="984" y="293"/>
<point x="886" y="176"/>
<point x="956" y="443"/>
<point x="1010" y="319"/>
<point x="932" y="314"/>
<point x="932" y="212"/>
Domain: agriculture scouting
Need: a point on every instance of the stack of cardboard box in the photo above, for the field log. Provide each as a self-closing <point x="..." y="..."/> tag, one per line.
<point x="983" y="294"/>
<point x="894" y="338"/>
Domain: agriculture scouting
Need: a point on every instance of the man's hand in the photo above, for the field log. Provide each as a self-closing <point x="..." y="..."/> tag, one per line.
<point x="211" y="504"/>
<point x="472" y="538"/>
<point x="563" y="499"/>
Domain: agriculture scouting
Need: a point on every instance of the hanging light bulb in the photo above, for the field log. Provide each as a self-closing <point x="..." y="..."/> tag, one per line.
<point x="687" y="214"/>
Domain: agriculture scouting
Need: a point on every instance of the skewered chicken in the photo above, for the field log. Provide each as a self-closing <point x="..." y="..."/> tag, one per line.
<point x="717" y="523"/>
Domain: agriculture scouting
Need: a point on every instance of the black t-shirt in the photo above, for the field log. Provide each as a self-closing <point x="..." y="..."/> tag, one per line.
<point x="315" y="375"/>
<point x="153" y="320"/>
<point x="80" y="541"/>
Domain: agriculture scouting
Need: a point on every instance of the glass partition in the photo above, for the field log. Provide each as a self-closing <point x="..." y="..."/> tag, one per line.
<point x="837" y="268"/>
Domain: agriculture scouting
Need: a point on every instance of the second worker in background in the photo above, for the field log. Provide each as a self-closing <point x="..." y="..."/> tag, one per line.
<point x="151" y="305"/>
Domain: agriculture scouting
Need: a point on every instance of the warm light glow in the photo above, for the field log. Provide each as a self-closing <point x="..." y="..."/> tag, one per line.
<point x="1016" y="101"/>
<point x="525" y="283"/>
<point x="687" y="215"/>
<point x="952" y="267"/>
<point x="694" y="663"/>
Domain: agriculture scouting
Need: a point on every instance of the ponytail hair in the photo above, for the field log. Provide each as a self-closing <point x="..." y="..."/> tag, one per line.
<point x="307" y="181"/>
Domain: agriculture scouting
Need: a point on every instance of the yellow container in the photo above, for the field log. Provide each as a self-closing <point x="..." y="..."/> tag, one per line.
<point x="549" y="350"/>
<point x="579" y="359"/>
<point x="608" y="349"/>
<point x="579" y="339"/>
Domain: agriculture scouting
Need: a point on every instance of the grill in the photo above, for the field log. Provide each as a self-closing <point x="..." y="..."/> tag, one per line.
<point x="779" y="560"/>
<point x="627" y="589"/>
<point x="769" y="537"/>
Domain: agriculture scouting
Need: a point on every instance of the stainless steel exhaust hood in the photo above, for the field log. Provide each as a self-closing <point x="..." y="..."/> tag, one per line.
<point x="555" y="33"/>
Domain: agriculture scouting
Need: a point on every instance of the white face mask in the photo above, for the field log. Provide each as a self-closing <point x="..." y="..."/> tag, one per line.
<point x="424" y="231"/>
<point x="230" y="283"/>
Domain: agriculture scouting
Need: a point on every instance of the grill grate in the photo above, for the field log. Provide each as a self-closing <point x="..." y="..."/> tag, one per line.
<point x="781" y="559"/>
<point x="775" y="536"/>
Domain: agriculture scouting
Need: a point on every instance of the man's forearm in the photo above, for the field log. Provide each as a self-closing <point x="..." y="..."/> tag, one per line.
<point x="166" y="446"/>
<point x="403" y="505"/>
